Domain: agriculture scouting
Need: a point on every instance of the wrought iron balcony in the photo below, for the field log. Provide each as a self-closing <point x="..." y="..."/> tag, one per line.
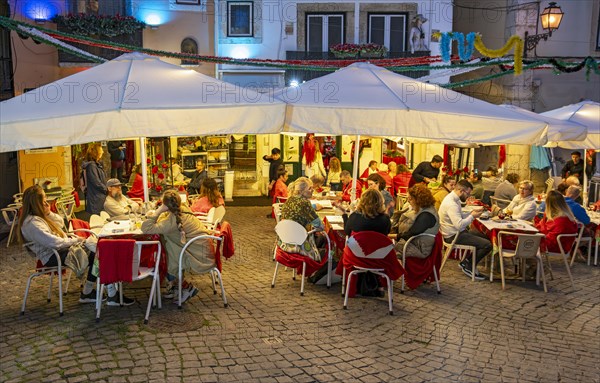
<point x="134" y="39"/>
<point x="305" y="75"/>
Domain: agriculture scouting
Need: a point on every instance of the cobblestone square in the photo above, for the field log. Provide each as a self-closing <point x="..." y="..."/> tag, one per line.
<point x="472" y="332"/>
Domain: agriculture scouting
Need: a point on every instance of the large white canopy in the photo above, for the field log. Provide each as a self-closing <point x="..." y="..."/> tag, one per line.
<point x="556" y="129"/>
<point x="364" y="99"/>
<point x="586" y="113"/>
<point x="134" y="95"/>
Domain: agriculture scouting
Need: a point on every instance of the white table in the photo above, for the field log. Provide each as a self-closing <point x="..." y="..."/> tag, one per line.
<point x="113" y="228"/>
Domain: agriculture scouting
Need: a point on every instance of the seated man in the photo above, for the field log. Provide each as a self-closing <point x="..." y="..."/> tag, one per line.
<point x="507" y="190"/>
<point x="197" y="176"/>
<point x="453" y="220"/>
<point x="346" y="179"/>
<point x="572" y="194"/>
<point x="475" y="180"/>
<point x="523" y="205"/>
<point x="116" y="204"/>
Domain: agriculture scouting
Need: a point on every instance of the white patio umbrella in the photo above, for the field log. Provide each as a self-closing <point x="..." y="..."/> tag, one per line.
<point x="586" y="113"/>
<point x="134" y="95"/>
<point x="364" y="99"/>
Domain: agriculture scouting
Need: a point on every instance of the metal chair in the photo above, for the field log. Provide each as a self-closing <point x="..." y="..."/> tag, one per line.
<point x="434" y="271"/>
<point x="528" y="247"/>
<point x="138" y="273"/>
<point x="563" y="253"/>
<point x="580" y="239"/>
<point x="11" y="217"/>
<point x="549" y="185"/>
<point x="462" y="251"/>
<point x="66" y="206"/>
<point x="212" y="271"/>
<point x="501" y="203"/>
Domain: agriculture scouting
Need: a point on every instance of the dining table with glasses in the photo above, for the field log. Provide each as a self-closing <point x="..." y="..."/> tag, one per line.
<point x="131" y="229"/>
<point x="491" y="227"/>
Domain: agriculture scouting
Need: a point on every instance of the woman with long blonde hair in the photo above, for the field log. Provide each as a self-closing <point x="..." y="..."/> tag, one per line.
<point x="558" y="219"/>
<point x="335" y="171"/>
<point x="43" y="231"/>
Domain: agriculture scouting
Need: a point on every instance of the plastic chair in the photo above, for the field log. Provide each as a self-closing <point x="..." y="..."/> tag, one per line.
<point x="51" y="271"/>
<point x="66" y="206"/>
<point x="462" y="251"/>
<point x="528" y="247"/>
<point x="501" y="203"/>
<point x="381" y="261"/>
<point x="435" y="259"/>
<point x="97" y="221"/>
<point x="581" y="239"/>
<point x="212" y="271"/>
<point x="549" y="185"/>
<point x="11" y="217"/>
<point x="293" y="233"/>
<point x="563" y="253"/>
<point x="281" y="200"/>
<point x="111" y="257"/>
<point x="214" y="216"/>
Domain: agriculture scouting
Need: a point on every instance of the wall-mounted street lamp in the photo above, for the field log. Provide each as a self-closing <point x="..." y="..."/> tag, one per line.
<point x="550" y="17"/>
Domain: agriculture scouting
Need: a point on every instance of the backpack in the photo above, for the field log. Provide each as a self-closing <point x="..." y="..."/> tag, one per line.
<point x="82" y="180"/>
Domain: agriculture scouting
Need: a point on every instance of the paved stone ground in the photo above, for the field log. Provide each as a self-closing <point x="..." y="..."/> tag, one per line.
<point x="472" y="332"/>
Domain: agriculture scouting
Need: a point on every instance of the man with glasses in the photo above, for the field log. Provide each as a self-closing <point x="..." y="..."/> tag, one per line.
<point x="522" y="205"/>
<point x="453" y="220"/>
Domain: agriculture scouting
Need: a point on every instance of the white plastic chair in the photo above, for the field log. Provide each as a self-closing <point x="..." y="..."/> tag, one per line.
<point x="48" y="271"/>
<point x="66" y="206"/>
<point x="581" y="239"/>
<point x="213" y="217"/>
<point x="293" y="233"/>
<point x="137" y="274"/>
<point x="563" y="253"/>
<point x="549" y="185"/>
<point x="528" y="247"/>
<point x="11" y="217"/>
<point x="212" y="271"/>
<point x="501" y="203"/>
<point x="462" y="251"/>
<point x="96" y="221"/>
<point x="354" y="246"/>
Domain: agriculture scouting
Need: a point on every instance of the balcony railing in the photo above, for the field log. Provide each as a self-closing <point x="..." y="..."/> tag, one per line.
<point x="134" y="39"/>
<point x="305" y="75"/>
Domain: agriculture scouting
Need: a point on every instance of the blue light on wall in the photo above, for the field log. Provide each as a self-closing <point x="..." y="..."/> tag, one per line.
<point x="40" y="10"/>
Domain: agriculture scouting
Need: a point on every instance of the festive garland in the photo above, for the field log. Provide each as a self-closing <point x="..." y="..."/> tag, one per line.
<point x="515" y="41"/>
<point x="84" y="24"/>
<point x="465" y="52"/>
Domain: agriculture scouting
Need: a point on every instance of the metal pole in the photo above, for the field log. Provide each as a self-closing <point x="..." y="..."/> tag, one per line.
<point x="144" y="168"/>
<point x="355" y="169"/>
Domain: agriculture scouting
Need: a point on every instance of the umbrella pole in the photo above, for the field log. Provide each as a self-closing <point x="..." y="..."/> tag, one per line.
<point x="355" y="170"/>
<point x="585" y="180"/>
<point x="144" y="167"/>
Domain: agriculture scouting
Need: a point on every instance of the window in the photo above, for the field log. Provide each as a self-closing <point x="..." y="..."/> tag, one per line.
<point x="240" y="16"/>
<point x="324" y="31"/>
<point x="189" y="45"/>
<point x="388" y="30"/>
<point x="190" y="2"/>
<point x="104" y="7"/>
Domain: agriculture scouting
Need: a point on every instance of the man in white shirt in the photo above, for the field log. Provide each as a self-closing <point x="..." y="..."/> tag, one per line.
<point x="116" y="204"/>
<point x="523" y="205"/>
<point x="453" y="220"/>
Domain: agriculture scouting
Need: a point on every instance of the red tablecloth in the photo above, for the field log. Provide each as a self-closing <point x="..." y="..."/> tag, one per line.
<point x="147" y="256"/>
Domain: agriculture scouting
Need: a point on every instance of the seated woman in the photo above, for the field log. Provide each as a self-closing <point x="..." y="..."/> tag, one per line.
<point x="440" y="193"/>
<point x="523" y="205"/>
<point x="317" y="182"/>
<point x="280" y="189"/>
<point x="137" y="189"/>
<point x="299" y="209"/>
<point x="558" y="219"/>
<point x="44" y="230"/>
<point x="422" y="218"/>
<point x="377" y="182"/>
<point x="370" y="215"/>
<point x="210" y="197"/>
<point x="177" y="224"/>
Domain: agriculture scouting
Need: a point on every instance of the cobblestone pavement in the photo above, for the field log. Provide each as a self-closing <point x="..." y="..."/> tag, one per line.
<point x="472" y="332"/>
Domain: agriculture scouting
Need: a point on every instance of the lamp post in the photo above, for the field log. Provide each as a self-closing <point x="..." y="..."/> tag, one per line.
<point x="550" y="17"/>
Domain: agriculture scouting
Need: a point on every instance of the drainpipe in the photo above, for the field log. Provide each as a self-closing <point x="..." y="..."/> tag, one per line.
<point x="217" y="26"/>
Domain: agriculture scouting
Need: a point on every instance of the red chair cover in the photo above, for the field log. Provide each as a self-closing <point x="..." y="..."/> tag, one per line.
<point x="227" y="244"/>
<point x="115" y="259"/>
<point x="419" y="270"/>
<point x="401" y="180"/>
<point x="369" y="242"/>
<point x="294" y="261"/>
<point x="80" y="224"/>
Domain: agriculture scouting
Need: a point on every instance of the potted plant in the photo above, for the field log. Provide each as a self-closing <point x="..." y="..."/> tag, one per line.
<point x="345" y="50"/>
<point x="372" y="50"/>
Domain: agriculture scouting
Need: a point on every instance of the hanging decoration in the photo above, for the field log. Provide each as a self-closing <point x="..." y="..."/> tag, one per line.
<point x="515" y="41"/>
<point x="465" y="52"/>
<point x="308" y="149"/>
<point x="99" y="25"/>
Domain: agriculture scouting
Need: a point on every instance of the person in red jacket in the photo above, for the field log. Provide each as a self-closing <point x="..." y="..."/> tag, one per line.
<point x="346" y="179"/>
<point x="558" y="219"/>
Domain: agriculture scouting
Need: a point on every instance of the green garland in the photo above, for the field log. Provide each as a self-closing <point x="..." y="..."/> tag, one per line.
<point x="85" y="25"/>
